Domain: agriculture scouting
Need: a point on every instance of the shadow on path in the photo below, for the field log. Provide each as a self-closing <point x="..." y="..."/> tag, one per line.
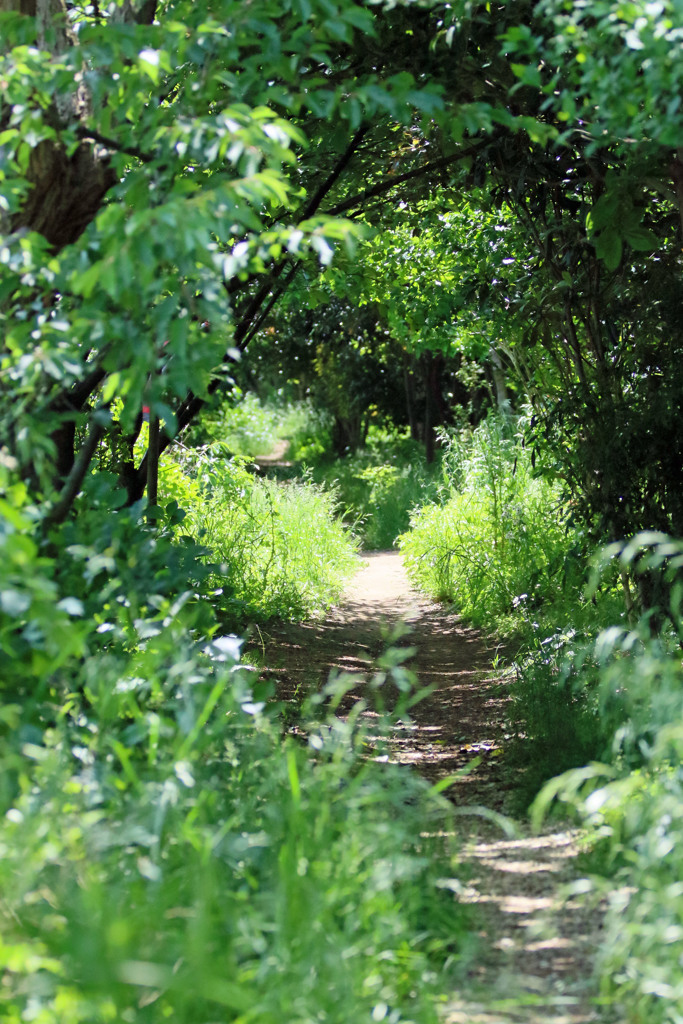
<point x="537" y="945"/>
<point x="462" y="720"/>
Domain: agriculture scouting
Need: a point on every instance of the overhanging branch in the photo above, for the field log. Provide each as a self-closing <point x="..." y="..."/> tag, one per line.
<point x="86" y="134"/>
<point x="382" y="187"/>
<point x="74" y="482"/>
<point x="266" y="296"/>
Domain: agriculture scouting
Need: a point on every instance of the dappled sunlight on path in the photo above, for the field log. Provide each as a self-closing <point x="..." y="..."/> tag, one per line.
<point x="540" y="941"/>
<point x="537" y="946"/>
<point x="463" y="719"/>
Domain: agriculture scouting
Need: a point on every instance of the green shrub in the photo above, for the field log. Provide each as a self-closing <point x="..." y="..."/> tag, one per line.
<point x="380" y="485"/>
<point x="496" y="540"/>
<point x="554" y="711"/>
<point x="169" y="856"/>
<point x="68" y="594"/>
<point x="165" y="851"/>
<point x="280" y="547"/>
<point x="632" y="804"/>
<point x="41" y="627"/>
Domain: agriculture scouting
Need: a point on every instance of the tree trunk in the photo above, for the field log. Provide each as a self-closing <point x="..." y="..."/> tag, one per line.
<point x="153" y="461"/>
<point x="67" y="192"/>
<point x="64" y="438"/>
<point x="409" y="385"/>
<point x="429" y="418"/>
<point x="67" y="189"/>
<point x="502" y="400"/>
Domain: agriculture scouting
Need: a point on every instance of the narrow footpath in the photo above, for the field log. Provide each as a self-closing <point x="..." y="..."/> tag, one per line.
<point x="537" y="945"/>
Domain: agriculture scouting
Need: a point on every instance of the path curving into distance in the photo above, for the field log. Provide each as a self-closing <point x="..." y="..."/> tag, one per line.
<point x="537" y="945"/>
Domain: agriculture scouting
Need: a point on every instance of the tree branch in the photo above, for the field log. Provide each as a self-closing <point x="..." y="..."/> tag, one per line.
<point x="397" y="179"/>
<point x="66" y="405"/>
<point x="336" y="172"/>
<point x="62" y="506"/>
<point x="82" y="391"/>
<point x="254" y="314"/>
<point x="142" y="14"/>
<point x="86" y="134"/>
<point x="153" y="453"/>
<point x="273" y="299"/>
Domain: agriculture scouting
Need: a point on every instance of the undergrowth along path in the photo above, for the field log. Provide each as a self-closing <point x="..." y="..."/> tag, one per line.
<point x="537" y="944"/>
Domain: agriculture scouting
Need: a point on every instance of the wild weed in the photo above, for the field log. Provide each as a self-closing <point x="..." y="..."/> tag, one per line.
<point x="279" y="549"/>
<point x="167" y="855"/>
<point x="380" y="485"/>
<point x="249" y="426"/>
<point x="242" y="422"/>
<point x="632" y="802"/>
<point x="495" y="541"/>
<point x="307" y="429"/>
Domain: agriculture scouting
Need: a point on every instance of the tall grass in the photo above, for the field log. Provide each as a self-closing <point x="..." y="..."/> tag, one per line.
<point x="632" y="802"/>
<point x="249" y="427"/>
<point x="279" y="549"/>
<point x="243" y="423"/>
<point x="499" y="546"/>
<point x="495" y="541"/>
<point x="379" y="486"/>
<point x="376" y="488"/>
<point x="168" y="851"/>
<point x="165" y="855"/>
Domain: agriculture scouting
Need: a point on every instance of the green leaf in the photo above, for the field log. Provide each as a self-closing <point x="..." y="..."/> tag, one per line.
<point x="12" y="515"/>
<point x="642" y="239"/>
<point x="111" y="387"/>
<point x="227" y="993"/>
<point x="72" y="606"/>
<point x="149" y="61"/>
<point x="609" y="248"/>
<point x="527" y="74"/>
<point x="603" y="211"/>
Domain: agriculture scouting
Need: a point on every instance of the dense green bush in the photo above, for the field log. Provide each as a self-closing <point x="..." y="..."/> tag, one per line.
<point x="308" y="429"/>
<point x="632" y="803"/>
<point x="166" y="855"/>
<point x="562" y="712"/>
<point x="68" y="595"/>
<point x="166" y="852"/>
<point x="496" y="539"/>
<point x="278" y="549"/>
<point x="554" y="716"/>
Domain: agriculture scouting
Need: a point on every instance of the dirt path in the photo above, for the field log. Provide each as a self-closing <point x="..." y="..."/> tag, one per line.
<point x="537" y="947"/>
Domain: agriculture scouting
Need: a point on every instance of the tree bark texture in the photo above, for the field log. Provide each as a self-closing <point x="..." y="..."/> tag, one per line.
<point x="20" y="6"/>
<point x="67" y="192"/>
